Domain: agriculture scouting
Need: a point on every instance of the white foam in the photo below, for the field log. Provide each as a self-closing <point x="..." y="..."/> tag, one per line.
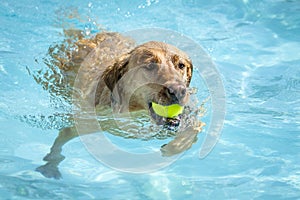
<point x="2" y="69"/>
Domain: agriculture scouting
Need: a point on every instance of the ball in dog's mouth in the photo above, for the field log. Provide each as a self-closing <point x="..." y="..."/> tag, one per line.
<point x="170" y="111"/>
<point x="169" y="115"/>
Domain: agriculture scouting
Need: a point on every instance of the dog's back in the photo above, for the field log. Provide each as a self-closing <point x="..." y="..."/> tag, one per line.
<point x="94" y="52"/>
<point x="79" y="52"/>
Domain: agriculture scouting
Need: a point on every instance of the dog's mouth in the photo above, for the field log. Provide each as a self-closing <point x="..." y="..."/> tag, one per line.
<point x="169" y="123"/>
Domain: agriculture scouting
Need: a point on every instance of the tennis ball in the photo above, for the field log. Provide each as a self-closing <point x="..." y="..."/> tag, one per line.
<point x="170" y="111"/>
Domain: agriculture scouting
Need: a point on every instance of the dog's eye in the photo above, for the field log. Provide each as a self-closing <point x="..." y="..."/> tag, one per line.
<point x="181" y="65"/>
<point x="150" y="66"/>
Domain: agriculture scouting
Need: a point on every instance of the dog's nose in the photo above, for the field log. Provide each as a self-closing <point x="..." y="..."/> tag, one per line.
<point x="176" y="92"/>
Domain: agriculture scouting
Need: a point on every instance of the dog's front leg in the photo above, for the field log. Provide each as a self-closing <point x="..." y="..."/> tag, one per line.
<point x="50" y="169"/>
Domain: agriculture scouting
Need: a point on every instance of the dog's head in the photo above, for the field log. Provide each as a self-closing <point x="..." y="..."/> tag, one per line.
<point x="152" y="72"/>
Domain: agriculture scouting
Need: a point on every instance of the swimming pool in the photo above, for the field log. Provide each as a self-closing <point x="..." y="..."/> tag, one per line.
<point x="255" y="46"/>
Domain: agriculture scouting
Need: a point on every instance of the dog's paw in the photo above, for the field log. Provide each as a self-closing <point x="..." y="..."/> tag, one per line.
<point x="182" y="142"/>
<point x="49" y="171"/>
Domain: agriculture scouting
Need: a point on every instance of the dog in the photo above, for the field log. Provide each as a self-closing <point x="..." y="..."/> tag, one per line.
<point x="114" y="72"/>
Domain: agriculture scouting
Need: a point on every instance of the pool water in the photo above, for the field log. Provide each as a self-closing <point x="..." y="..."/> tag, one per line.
<point x="256" y="48"/>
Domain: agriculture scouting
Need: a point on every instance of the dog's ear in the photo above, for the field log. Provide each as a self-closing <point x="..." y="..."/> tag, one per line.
<point x="115" y="72"/>
<point x="189" y="72"/>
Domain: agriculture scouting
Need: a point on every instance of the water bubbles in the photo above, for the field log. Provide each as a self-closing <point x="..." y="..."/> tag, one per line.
<point x="2" y="69"/>
<point x="87" y="29"/>
<point x="148" y="3"/>
<point x="129" y="14"/>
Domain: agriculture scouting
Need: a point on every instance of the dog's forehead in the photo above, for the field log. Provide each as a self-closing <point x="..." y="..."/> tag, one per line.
<point x="167" y="49"/>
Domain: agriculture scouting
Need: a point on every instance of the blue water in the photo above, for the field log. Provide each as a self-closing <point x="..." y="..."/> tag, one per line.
<point x="256" y="48"/>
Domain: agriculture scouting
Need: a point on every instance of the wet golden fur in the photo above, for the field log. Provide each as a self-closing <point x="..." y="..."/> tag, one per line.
<point x="110" y="69"/>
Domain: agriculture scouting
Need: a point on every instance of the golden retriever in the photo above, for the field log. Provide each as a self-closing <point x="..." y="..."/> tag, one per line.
<point x="126" y="77"/>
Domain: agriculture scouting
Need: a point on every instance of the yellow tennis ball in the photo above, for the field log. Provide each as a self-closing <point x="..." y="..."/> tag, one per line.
<point x="170" y="111"/>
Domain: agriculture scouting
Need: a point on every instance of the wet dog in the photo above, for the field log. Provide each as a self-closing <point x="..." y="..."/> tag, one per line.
<point x="112" y="71"/>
